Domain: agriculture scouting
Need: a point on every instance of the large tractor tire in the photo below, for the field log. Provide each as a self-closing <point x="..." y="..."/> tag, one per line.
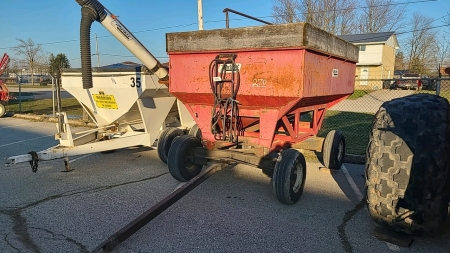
<point x="408" y="164"/>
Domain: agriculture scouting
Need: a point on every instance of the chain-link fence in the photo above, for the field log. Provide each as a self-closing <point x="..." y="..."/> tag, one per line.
<point x="43" y="106"/>
<point x="354" y="115"/>
<point x="28" y="99"/>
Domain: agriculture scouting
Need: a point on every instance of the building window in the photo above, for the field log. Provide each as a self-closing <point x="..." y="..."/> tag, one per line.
<point x="362" y="47"/>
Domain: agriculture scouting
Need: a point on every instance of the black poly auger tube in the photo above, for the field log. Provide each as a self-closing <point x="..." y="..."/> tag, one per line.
<point x="91" y="11"/>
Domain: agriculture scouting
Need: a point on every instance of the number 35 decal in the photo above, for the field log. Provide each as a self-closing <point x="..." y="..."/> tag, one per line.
<point x="136" y="82"/>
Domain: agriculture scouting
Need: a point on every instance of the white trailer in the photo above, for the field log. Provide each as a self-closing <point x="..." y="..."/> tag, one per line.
<point x="129" y="106"/>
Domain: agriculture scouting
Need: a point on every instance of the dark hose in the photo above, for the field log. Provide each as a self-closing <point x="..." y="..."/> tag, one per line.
<point x="96" y="6"/>
<point x="91" y="11"/>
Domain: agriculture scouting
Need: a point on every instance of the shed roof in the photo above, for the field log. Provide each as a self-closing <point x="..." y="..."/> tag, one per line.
<point x="367" y="37"/>
<point x="124" y="64"/>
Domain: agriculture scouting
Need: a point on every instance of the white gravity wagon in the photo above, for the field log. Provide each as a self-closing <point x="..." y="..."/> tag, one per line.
<point x="130" y="107"/>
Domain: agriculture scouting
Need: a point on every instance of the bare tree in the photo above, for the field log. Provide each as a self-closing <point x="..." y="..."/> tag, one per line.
<point x="440" y="51"/>
<point x="381" y="16"/>
<point x="334" y="16"/>
<point x="14" y="67"/>
<point x="399" y="61"/>
<point x="447" y="19"/>
<point x="420" y="43"/>
<point x="43" y="62"/>
<point x="30" y="50"/>
<point x="284" y="11"/>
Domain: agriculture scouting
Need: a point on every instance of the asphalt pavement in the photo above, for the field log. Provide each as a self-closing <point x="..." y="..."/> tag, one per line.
<point x="233" y="211"/>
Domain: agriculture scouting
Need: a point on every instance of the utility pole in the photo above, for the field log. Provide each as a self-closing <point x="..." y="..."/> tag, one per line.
<point x="200" y="15"/>
<point x="96" y="51"/>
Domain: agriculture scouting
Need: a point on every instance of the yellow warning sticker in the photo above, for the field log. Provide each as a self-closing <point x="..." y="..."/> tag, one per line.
<point x="105" y="101"/>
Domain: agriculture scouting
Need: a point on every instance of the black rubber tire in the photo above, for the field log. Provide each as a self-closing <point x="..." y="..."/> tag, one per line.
<point x="2" y="110"/>
<point x="165" y="141"/>
<point x="408" y="162"/>
<point x="289" y="176"/>
<point x="181" y="163"/>
<point x="195" y="131"/>
<point x="333" y="150"/>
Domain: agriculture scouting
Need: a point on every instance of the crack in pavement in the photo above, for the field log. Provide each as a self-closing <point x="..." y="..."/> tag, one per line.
<point x="64" y="238"/>
<point x="9" y="243"/>
<point x="346" y="245"/>
<point x="20" y="227"/>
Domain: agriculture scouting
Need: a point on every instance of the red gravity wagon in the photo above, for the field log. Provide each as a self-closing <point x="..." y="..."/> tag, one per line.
<point x="259" y="96"/>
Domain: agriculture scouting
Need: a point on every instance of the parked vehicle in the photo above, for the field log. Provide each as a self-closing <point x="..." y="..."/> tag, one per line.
<point x="388" y="83"/>
<point x="429" y="83"/>
<point x="409" y="81"/>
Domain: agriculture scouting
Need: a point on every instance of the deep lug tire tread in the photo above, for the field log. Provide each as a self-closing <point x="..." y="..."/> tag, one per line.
<point x="408" y="162"/>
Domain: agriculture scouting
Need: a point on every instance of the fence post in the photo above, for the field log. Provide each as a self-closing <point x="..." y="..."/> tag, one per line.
<point x="53" y="96"/>
<point x="20" y="97"/>
<point x="438" y="87"/>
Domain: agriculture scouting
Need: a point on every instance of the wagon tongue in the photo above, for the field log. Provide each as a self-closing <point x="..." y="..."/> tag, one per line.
<point x="93" y="10"/>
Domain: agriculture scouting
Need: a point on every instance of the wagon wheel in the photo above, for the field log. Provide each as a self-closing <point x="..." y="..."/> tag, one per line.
<point x="289" y="176"/>
<point x="181" y="158"/>
<point x="165" y="141"/>
<point x="195" y="131"/>
<point x="333" y="150"/>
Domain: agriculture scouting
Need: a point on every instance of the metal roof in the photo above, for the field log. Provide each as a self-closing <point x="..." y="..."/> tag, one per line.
<point x="367" y="37"/>
<point x="125" y="64"/>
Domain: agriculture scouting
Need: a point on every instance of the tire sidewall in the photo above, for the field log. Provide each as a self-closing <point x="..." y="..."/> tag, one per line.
<point x="195" y="131"/>
<point x="333" y="150"/>
<point x="281" y="181"/>
<point x="165" y="141"/>
<point x="182" y="147"/>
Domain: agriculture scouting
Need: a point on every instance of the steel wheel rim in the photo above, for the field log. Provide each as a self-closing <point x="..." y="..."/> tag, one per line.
<point x="340" y="151"/>
<point x="297" y="178"/>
